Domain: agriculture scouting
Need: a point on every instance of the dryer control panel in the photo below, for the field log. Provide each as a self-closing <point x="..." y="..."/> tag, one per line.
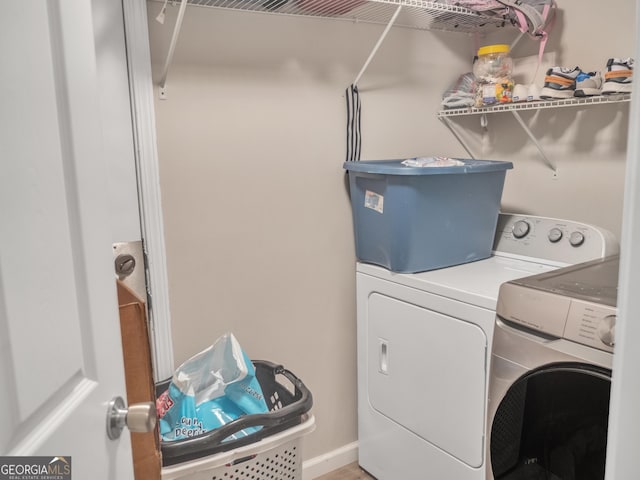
<point x="559" y="242"/>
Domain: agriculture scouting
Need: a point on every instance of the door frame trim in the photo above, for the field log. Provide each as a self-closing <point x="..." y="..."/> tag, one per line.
<point x="149" y="195"/>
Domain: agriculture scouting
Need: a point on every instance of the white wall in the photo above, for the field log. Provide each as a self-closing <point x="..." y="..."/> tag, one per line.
<point x="256" y="210"/>
<point x="257" y="215"/>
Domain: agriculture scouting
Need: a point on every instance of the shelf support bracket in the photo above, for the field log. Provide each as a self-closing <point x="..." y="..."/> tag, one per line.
<point x="377" y="45"/>
<point x="172" y="47"/>
<point x="516" y="41"/>
<point x="536" y="143"/>
<point x="449" y="125"/>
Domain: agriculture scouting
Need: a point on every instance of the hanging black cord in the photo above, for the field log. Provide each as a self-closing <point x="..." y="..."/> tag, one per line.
<point x="358" y="117"/>
<point x="353" y="124"/>
<point x="348" y="96"/>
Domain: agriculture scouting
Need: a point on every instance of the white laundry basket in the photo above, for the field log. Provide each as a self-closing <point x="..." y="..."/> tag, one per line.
<point x="276" y="457"/>
<point x="272" y="453"/>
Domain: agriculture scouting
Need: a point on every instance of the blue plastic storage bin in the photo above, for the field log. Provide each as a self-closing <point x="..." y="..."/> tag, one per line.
<point x="413" y="219"/>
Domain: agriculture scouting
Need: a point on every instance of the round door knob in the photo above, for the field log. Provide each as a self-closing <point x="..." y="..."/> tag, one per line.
<point x="140" y="417"/>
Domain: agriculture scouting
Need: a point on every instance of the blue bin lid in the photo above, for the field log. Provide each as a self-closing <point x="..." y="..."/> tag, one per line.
<point x="395" y="167"/>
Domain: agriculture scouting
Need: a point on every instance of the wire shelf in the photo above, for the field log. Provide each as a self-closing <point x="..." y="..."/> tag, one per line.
<point x="538" y="105"/>
<point x="415" y="14"/>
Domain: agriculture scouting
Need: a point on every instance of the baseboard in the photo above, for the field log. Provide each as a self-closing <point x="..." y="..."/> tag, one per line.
<point x="338" y="458"/>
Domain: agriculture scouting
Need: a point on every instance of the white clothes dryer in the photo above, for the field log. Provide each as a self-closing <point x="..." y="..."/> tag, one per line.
<point x="424" y="343"/>
<point x="551" y="374"/>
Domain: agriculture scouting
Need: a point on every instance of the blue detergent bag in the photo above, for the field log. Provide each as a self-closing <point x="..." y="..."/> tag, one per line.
<point x="211" y="389"/>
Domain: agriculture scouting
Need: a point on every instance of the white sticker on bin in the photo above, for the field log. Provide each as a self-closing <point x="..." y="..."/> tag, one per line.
<point x="374" y="201"/>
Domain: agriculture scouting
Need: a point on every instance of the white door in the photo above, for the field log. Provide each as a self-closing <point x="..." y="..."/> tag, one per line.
<point x="60" y="349"/>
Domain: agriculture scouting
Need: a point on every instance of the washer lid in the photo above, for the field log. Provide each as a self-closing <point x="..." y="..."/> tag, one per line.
<point x="595" y="281"/>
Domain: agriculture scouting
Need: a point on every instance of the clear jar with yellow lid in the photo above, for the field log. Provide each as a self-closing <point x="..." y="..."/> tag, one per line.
<point x="493" y="70"/>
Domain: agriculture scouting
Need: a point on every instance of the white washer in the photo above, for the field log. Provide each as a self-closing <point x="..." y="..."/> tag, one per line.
<point x="424" y="343"/>
<point x="550" y="376"/>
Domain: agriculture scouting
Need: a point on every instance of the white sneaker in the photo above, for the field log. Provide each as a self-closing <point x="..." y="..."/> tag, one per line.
<point x="588" y="84"/>
<point x="619" y="76"/>
<point x="560" y="82"/>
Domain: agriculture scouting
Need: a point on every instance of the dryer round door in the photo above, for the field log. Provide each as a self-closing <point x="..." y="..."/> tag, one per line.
<point x="552" y="424"/>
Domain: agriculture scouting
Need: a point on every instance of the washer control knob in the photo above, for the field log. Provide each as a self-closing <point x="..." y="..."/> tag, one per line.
<point x="576" y="239"/>
<point x="520" y="229"/>
<point x="607" y="330"/>
<point x="555" y="234"/>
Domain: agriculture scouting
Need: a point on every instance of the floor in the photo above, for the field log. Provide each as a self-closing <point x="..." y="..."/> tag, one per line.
<point x="350" y="472"/>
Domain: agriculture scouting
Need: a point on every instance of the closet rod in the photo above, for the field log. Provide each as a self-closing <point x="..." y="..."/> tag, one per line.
<point x="378" y="43"/>
<point x="172" y="47"/>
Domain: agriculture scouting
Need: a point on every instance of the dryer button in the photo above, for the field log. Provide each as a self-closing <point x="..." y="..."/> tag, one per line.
<point x="607" y="330"/>
<point x="576" y="239"/>
<point x="555" y="234"/>
<point x="520" y="229"/>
